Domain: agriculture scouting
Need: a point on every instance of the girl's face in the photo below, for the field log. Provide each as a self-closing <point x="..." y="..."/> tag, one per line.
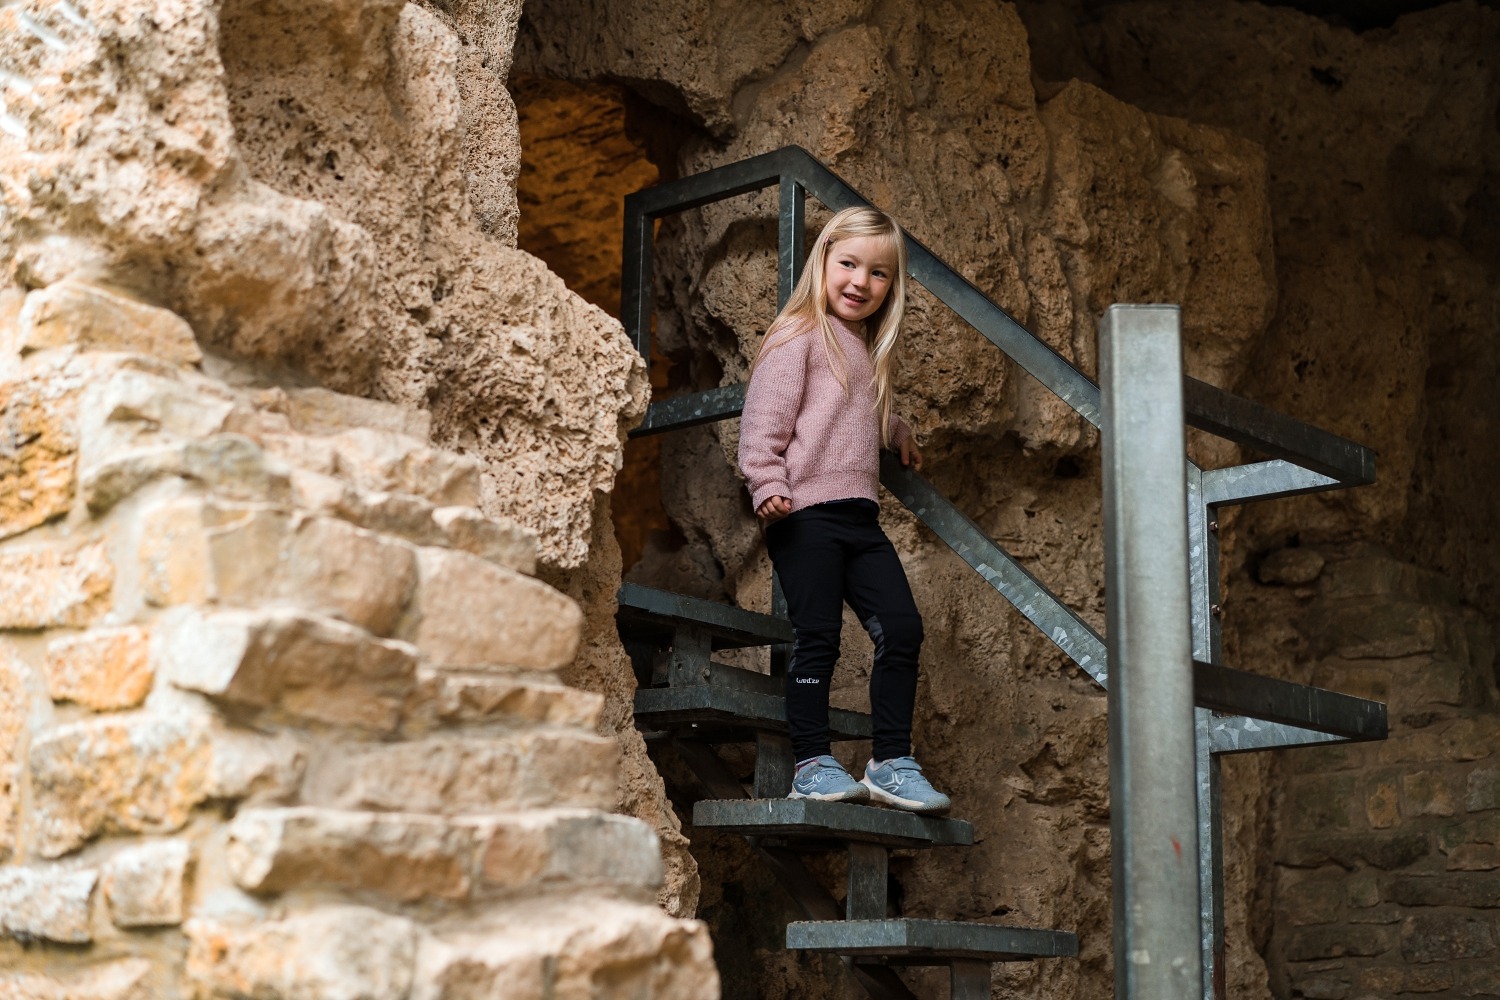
<point x="857" y="275"/>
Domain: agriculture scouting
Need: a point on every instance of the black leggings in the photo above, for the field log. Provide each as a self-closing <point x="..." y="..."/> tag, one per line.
<point x="826" y="555"/>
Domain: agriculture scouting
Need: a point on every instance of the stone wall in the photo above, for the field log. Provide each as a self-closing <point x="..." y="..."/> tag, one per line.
<point x="293" y="435"/>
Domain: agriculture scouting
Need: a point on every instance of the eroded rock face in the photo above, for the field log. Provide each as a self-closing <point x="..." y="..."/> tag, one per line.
<point x="300" y="193"/>
<point x="231" y="591"/>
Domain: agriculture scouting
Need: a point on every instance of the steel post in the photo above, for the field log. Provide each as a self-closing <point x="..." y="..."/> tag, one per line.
<point x="1153" y="786"/>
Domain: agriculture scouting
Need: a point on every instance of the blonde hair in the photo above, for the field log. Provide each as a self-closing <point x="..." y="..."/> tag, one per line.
<point x="808" y="306"/>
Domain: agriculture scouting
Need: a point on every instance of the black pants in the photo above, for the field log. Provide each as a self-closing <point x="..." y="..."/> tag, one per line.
<point x="826" y="555"/>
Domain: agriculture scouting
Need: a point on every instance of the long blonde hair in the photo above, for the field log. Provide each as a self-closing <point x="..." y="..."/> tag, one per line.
<point x="808" y="306"/>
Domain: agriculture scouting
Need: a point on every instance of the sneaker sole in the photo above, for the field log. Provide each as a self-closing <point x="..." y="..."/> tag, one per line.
<point x="851" y="796"/>
<point x="885" y="798"/>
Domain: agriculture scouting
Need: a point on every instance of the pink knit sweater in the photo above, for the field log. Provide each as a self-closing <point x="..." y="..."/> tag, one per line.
<point x="801" y="436"/>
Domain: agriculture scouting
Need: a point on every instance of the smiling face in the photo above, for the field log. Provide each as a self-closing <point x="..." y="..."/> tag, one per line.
<point x="857" y="275"/>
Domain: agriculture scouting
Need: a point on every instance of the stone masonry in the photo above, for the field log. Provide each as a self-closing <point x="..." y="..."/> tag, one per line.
<point x="1385" y="877"/>
<point x="279" y="707"/>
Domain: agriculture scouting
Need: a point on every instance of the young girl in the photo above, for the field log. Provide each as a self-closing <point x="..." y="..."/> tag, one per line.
<point x="817" y="412"/>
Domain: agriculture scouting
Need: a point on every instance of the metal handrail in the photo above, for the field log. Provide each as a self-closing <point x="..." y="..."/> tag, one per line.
<point x="1337" y="461"/>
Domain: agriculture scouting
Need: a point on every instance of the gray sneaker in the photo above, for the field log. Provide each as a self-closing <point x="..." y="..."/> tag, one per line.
<point x="899" y="782"/>
<point x="824" y="778"/>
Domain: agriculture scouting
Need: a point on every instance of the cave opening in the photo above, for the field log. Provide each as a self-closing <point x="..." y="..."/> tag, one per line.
<point x="582" y="152"/>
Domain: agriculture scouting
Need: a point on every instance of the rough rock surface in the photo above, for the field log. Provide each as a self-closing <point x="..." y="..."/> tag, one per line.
<point x="290" y="424"/>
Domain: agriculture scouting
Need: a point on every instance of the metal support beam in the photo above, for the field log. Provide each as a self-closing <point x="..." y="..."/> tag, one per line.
<point x="791" y="245"/>
<point x="1153" y="789"/>
<point x="691" y="648"/>
<point x="869" y="870"/>
<point x="773" y="765"/>
<point x="969" y="980"/>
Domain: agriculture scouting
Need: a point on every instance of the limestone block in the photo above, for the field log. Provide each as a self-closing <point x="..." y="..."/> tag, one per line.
<point x="334" y="568"/>
<point x="583" y="947"/>
<point x="233" y="466"/>
<point x="448" y="775"/>
<point x="306" y="665"/>
<point x="105" y="669"/>
<point x="330" y="953"/>
<point x="473" y="613"/>
<point x="191" y="550"/>
<point x="50" y="904"/>
<point x="319" y="411"/>
<point x="567" y="849"/>
<point x="126" y="979"/>
<point x="123" y="472"/>
<point x="256" y="766"/>
<point x="379" y="460"/>
<point x="15" y="713"/>
<point x="131" y="403"/>
<point x="45" y="586"/>
<point x="505" y="543"/>
<point x="144" y="884"/>
<point x="402" y="856"/>
<point x="402" y="514"/>
<point x="138" y="773"/>
<point x="98" y="318"/>
<point x="38" y="465"/>
<point x="458" y="699"/>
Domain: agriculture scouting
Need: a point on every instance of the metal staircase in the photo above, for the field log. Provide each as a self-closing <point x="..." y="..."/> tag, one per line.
<point x="695" y="704"/>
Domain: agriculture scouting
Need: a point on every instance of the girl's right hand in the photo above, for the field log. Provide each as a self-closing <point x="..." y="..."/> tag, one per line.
<point x="774" y="509"/>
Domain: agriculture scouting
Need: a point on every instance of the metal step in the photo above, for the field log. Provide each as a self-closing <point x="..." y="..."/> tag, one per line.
<point x="646" y="612"/>
<point x="731" y="707"/>
<point x="929" y="942"/>
<point x="812" y="825"/>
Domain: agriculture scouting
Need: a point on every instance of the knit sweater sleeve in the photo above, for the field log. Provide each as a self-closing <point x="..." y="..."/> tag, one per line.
<point x="772" y="402"/>
<point x="900" y="431"/>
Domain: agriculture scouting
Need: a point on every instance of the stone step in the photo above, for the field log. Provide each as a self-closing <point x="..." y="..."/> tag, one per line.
<point x="646" y="612"/>
<point x="811" y="825"/>
<point x="929" y="942"/>
<point x="730" y="706"/>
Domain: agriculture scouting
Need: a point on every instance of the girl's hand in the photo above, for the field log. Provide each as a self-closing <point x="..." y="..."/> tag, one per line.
<point x="774" y="509"/>
<point x="911" y="455"/>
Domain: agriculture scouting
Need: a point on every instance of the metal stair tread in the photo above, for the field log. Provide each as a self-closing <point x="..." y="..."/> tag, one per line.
<point x="831" y="824"/>
<point x="647" y="611"/>
<point x="729" y="706"/>
<point x="906" y="941"/>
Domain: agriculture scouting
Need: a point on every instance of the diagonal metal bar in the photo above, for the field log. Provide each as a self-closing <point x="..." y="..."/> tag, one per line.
<point x="691" y="409"/>
<point x="1249" y="423"/>
<point x="1270" y="699"/>
<point x="1262" y="481"/>
<point x="1000" y="570"/>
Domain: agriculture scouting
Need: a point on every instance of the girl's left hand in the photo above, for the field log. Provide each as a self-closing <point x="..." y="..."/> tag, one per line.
<point x="911" y="455"/>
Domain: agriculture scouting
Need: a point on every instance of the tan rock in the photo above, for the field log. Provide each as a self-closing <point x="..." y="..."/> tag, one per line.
<point x="38" y="466"/>
<point x="584" y="947"/>
<point x="47" y="903"/>
<point x="458" y="699"/>
<point x="334" y="568"/>
<point x="112" y="479"/>
<point x="138" y="773"/>
<point x="473" y="613"/>
<point x="45" y="586"/>
<point x="191" y="550"/>
<point x="125" y="979"/>
<point x="569" y="851"/>
<point x="330" y="953"/>
<point x="98" y="318"/>
<point x="256" y="766"/>
<point x="319" y="411"/>
<point x="505" y="543"/>
<point x="15" y="714"/>
<point x="380" y="460"/>
<point x="233" y="466"/>
<point x="105" y="669"/>
<point x="452" y="776"/>
<point x="144" y="885"/>
<point x="307" y="666"/>
<point x="401" y="856"/>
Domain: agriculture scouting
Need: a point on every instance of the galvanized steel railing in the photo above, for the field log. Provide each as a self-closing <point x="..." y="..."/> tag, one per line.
<point x="1237" y="711"/>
